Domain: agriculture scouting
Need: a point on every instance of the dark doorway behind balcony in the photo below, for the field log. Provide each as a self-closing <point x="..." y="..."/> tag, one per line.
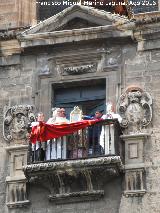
<point x="88" y="95"/>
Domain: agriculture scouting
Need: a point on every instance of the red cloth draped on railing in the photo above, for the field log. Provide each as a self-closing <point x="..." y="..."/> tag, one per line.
<point x="44" y="132"/>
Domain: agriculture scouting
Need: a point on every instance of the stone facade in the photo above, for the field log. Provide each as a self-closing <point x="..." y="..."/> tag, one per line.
<point x="16" y="13"/>
<point x="126" y="53"/>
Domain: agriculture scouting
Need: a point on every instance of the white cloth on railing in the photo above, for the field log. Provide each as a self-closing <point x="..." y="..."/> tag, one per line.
<point x="57" y="148"/>
<point x="107" y="140"/>
<point x="107" y="134"/>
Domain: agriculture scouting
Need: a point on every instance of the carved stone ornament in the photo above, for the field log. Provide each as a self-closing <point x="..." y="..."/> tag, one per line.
<point x="16" y="121"/>
<point x="81" y="69"/>
<point x="135" y="108"/>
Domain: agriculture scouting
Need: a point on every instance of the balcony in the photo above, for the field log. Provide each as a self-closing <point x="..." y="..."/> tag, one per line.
<point x="75" y="167"/>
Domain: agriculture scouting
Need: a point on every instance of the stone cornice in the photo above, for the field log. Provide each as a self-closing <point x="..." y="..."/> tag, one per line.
<point x="50" y="38"/>
<point x="74" y="164"/>
<point x="16" y="148"/>
<point x="147" y="18"/>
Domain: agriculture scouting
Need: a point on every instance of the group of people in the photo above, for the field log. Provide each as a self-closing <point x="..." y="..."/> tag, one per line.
<point x="46" y="151"/>
<point x="57" y="148"/>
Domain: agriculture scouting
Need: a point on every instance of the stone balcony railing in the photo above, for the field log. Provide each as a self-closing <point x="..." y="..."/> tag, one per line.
<point x="100" y="139"/>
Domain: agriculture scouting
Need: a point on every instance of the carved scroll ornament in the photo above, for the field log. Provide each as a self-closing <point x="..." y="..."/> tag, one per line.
<point x="81" y="69"/>
<point x="135" y="108"/>
<point x="16" y="121"/>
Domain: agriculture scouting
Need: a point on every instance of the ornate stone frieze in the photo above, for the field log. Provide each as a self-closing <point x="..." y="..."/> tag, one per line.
<point x="16" y="121"/>
<point x="135" y="108"/>
<point x="81" y="69"/>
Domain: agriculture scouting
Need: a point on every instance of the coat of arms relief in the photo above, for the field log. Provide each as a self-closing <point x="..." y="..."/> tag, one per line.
<point x="135" y="108"/>
<point x="16" y="120"/>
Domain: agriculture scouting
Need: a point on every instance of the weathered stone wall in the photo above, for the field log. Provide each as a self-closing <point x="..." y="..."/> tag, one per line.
<point x="17" y="13"/>
<point x="16" y="80"/>
<point x="142" y="69"/>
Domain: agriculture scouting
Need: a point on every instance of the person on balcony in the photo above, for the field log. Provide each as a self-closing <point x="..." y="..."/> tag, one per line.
<point x="38" y="149"/>
<point x="94" y="133"/>
<point x="107" y="133"/>
<point x="56" y="148"/>
<point x="111" y="113"/>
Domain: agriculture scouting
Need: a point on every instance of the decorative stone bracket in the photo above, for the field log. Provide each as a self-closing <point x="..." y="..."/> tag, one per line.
<point x="134" y="182"/>
<point x="134" y="164"/>
<point x="16" y="195"/>
<point x="74" y="180"/>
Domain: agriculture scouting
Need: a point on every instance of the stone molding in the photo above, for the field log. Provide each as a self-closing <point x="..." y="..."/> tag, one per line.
<point x="147" y="18"/>
<point x="76" y="196"/>
<point x="70" y="164"/>
<point x="57" y="37"/>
